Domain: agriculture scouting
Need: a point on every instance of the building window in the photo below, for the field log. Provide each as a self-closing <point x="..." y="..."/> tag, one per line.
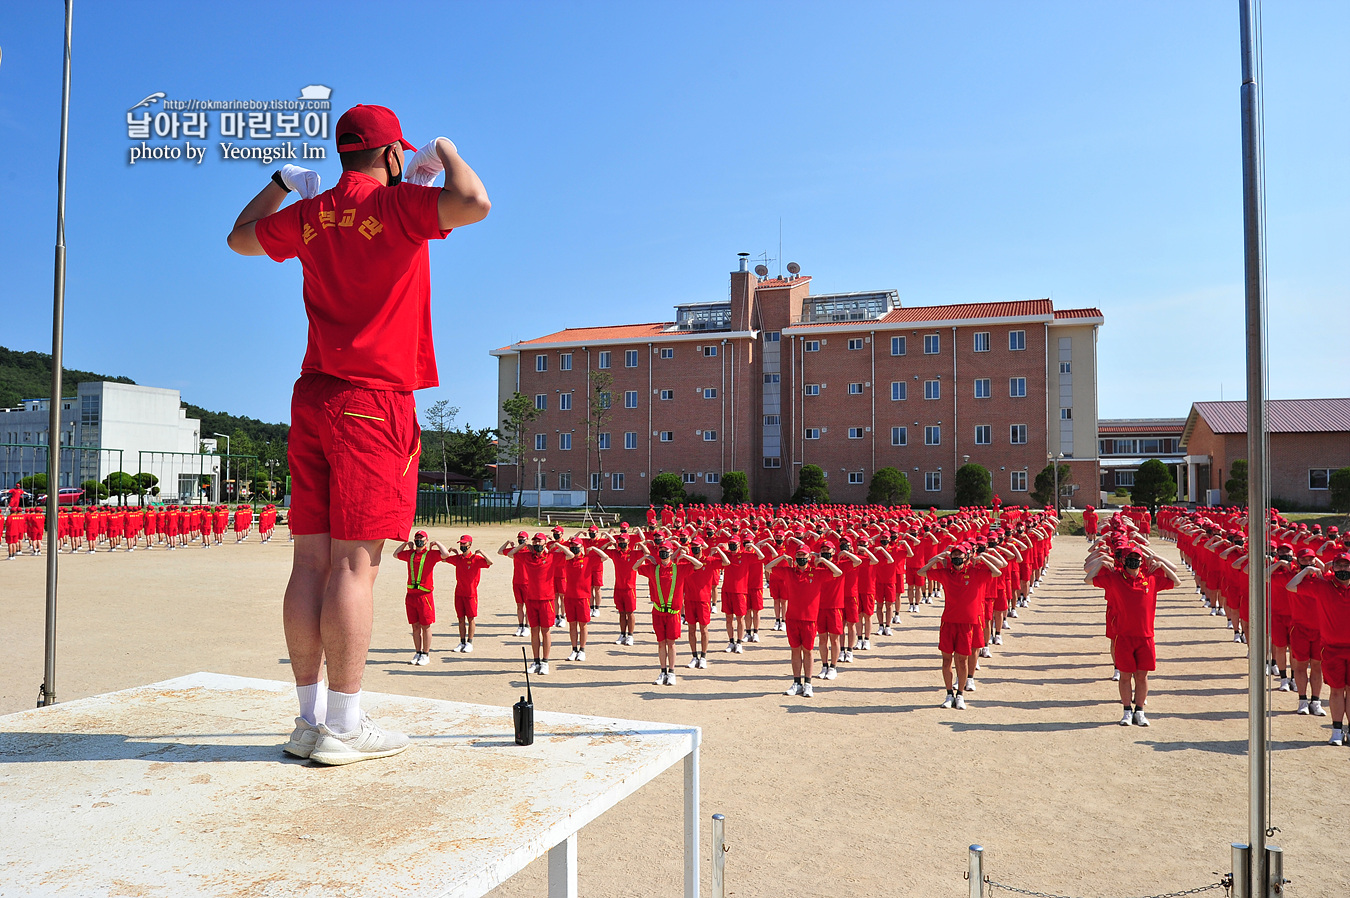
<point x="899" y="390"/>
<point x="667" y="352"/>
<point x="709" y="351"/>
<point x="1017" y="340"/>
<point x="1017" y="434"/>
<point x="688" y="477"/>
<point x="602" y="361"/>
<point x="595" y="481"/>
<point x="540" y="442"/>
<point x="772" y="336"/>
<point x="770" y="420"/>
<point x="772" y="378"/>
<point x="667" y="436"/>
<point x="605" y="398"/>
<point x="565" y="361"/>
<point x="855" y="476"/>
<point x="630" y="440"/>
<point x="932" y="481"/>
<point x="616" y="482"/>
<point x="982" y="341"/>
<point x="713" y="477"/>
<point x="1019" y="482"/>
<point x="1065" y="367"/>
<point x="811" y="389"/>
<point x="932" y="389"/>
<point x="810" y="346"/>
<point x="855" y="433"/>
<point x="1066" y="414"/>
<point x="899" y="436"/>
<point x="564" y="402"/>
<point x="565" y="480"/>
<point x="710" y="436"/>
<point x="1105" y="447"/>
<point x="1319" y="478"/>
<point x="629" y="358"/>
<point x="565" y="441"/>
<point x="897" y="345"/>
<point x="1124" y="478"/>
<point x="630" y="399"/>
<point x="772" y="461"/>
<point x="540" y="480"/>
<point x="1017" y="387"/>
<point x="667" y="395"/>
<point x="932" y="435"/>
<point x="89" y="411"/>
<point x="855" y="343"/>
<point x="932" y="344"/>
<point x="855" y="389"/>
<point x="982" y="388"/>
<point x="812" y="433"/>
<point x="541" y="401"/>
<point x="710" y="392"/>
<point x="983" y="434"/>
<point x="602" y="440"/>
<point x="541" y="363"/>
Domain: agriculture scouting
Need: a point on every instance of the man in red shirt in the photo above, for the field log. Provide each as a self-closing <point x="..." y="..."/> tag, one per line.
<point x="537" y="573"/>
<point x="578" y="574"/>
<point x="421" y="554"/>
<point x="663" y="575"/>
<point x="625" y="551"/>
<point x="517" y="552"/>
<point x="963" y="583"/>
<point x="698" y="600"/>
<point x="1305" y="638"/>
<point x="1136" y="602"/>
<point x="801" y="587"/>
<point x="1331" y="590"/>
<point x="354" y="436"/>
<point x="469" y="565"/>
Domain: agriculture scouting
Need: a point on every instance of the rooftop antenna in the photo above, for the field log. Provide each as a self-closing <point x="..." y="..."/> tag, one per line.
<point x="780" y="246"/>
<point x="762" y="270"/>
<point x="794" y="269"/>
<point x="764" y="259"/>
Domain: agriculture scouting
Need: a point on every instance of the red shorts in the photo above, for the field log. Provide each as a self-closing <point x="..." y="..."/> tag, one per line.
<point x="912" y="578"/>
<point x="353" y="459"/>
<point x="867" y="604"/>
<point x="540" y="614"/>
<point x="886" y="592"/>
<point x="830" y="620"/>
<point x="697" y="613"/>
<point x="666" y="625"/>
<point x="959" y="639"/>
<point x="1110" y="623"/>
<point x="518" y="590"/>
<point x="1336" y="665"/>
<point x="850" y="609"/>
<point x="801" y="633"/>
<point x="734" y="604"/>
<point x="988" y="610"/>
<point x="1134" y="653"/>
<point x="755" y="600"/>
<point x="466" y="606"/>
<point x="1305" y="643"/>
<point x="625" y="601"/>
<point x="578" y="611"/>
<point x="1000" y="603"/>
<point x="1280" y="625"/>
<point x="421" y="608"/>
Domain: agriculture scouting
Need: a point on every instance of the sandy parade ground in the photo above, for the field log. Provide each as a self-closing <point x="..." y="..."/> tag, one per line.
<point x="866" y="789"/>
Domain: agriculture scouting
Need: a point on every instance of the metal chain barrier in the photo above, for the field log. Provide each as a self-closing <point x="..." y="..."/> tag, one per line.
<point x="1226" y="883"/>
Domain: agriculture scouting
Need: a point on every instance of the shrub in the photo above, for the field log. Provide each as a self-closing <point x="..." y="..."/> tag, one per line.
<point x="973" y="487"/>
<point x="667" y="489"/>
<point x="1236" y="484"/>
<point x="735" y="488"/>
<point x="811" y="486"/>
<point x="889" y="486"/>
<point x="1153" y="485"/>
<point x="1340" y="490"/>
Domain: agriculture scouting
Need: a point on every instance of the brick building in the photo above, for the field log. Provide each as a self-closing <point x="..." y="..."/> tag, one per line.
<point x="776" y="377"/>
<point x="1309" y="438"/>
<point x="1123" y="444"/>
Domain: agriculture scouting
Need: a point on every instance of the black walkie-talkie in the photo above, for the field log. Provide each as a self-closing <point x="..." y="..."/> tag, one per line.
<point x="523" y="711"/>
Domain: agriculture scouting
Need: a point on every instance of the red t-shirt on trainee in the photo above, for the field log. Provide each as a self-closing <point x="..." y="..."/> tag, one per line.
<point x="468" y="571"/>
<point x="421" y="567"/>
<point x="1333" y="608"/>
<point x="367" y="279"/>
<point x="1136" y="599"/>
<point x="963" y="591"/>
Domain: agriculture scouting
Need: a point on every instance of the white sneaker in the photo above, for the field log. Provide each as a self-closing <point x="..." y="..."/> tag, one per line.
<point x="543" y="669"/>
<point x="1237" y="637"/>
<point x="629" y="640"/>
<point x="520" y="631"/>
<point x="794" y="689"/>
<point x="998" y="639"/>
<point x="702" y="663"/>
<point x="1139" y="719"/>
<point x="1302" y="706"/>
<point x="459" y="648"/>
<point x="1287" y="685"/>
<point x="949" y="701"/>
<point x="740" y="650"/>
<point x="416" y="658"/>
<point x="1127" y="718"/>
<point x="1012" y="612"/>
<point x="753" y="637"/>
<point x="660" y="679"/>
<point x="730" y="649"/>
<point x="581" y="655"/>
<point x="693" y="664"/>
<point x="846" y="656"/>
<point x="913" y="609"/>
<point x="1315" y="708"/>
<point x="1115" y="677"/>
<point x="623" y="638"/>
<point x="777" y="625"/>
<point x="534" y="667"/>
<point x="366" y="742"/>
<point x="304" y="737"/>
<point x="831" y="672"/>
<point x="928" y="601"/>
<point x="866" y="644"/>
<point x="807" y="692"/>
<point x="1337" y="738"/>
<point x="468" y="648"/>
<point x="960" y="703"/>
<point x="670" y="678"/>
<point x="572" y="655"/>
<point x="985" y="653"/>
<point x="970" y="685"/>
<point x="895" y="618"/>
<point x="424" y="659"/>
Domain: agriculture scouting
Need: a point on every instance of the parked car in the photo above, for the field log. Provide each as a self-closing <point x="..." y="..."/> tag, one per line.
<point x="69" y="495"/>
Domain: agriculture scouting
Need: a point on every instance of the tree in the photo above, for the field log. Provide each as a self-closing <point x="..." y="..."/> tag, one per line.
<point x="811" y="486"/>
<point x="1340" y="490"/>
<point x="1153" y="485"/>
<point x="889" y="486"/>
<point x="735" y="488"/>
<point x="1043" y="492"/>
<point x="34" y="483"/>
<point x="471" y="452"/>
<point x="147" y="481"/>
<point x="1236" y="484"/>
<point x="599" y="409"/>
<point x="94" y="490"/>
<point x="973" y="487"/>
<point x="120" y="483"/>
<point x="667" y="489"/>
<point x="440" y="421"/>
<point x="517" y="412"/>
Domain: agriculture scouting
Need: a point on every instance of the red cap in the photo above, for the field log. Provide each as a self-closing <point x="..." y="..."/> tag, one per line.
<point x="377" y="126"/>
<point x="1344" y="556"/>
<point x="539" y="536"/>
<point x="421" y="533"/>
<point x="522" y="534"/>
<point x="1306" y="552"/>
<point x="466" y="538"/>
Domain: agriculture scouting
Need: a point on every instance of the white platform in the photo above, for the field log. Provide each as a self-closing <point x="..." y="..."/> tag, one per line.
<point x="180" y="788"/>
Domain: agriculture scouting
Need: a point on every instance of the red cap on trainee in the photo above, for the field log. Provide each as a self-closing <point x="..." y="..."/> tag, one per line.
<point x="421" y="534"/>
<point x="1344" y="556"/>
<point x="466" y="538"/>
<point x="375" y="126"/>
<point x="1306" y="552"/>
<point x="522" y="535"/>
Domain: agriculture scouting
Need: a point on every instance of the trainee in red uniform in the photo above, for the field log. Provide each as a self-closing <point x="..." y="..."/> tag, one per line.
<point x="963" y="592"/>
<point x="468" y="571"/>
<point x="419" y="602"/>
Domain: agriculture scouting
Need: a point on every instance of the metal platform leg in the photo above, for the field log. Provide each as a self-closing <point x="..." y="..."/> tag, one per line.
<point x="691" y="846"/>
<point x="562" y="869"/>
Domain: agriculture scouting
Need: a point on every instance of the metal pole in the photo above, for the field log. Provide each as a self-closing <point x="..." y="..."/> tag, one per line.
<point x="1258" y="503"/>
<point x="976" y="872"/>
<point x="719" y="856"/>
<point x="1241" y="867"/>
<point x="47" y="695"/>
<point x="1275" y="870"/>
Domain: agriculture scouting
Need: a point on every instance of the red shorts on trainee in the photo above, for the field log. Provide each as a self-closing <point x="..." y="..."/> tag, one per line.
<point x="666" y="625"/>
<point x="697" y="613"/>
<point x="830" y="620"/>
<point x="1336" y="665"/>
<point x="466" y="606"/>
<point x="540" y="614"/>
<point x="959" y="639"/>
<point x="625" y="601"/>
<point x="801" y="633"/>
<point x="578" y="611"/>
<point x="421" y="608"/>
<point x="1134" y="653"/>
<point x="734" y="604"/>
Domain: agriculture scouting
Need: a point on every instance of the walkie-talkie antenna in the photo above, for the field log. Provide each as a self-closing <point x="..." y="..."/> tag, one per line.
<point x="529" y="696"/>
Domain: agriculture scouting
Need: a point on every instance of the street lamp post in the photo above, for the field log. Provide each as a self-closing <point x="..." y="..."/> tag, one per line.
<point x="1054" y="463"/>
<point x="227" y="454"/>
<point x="538" y="487"/>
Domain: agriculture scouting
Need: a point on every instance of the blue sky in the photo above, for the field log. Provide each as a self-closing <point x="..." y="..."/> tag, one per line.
<point x="954" y="152"/>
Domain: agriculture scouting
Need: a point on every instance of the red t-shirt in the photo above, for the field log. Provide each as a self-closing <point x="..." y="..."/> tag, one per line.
<point x="576" y="576"/>
<point x="468" y="571"/>
<point x="698" y="586"/>
<point x="536" y="569"/>
<point x="625" y="568"/>
<point x="1333" y="608"/>
<point x="421" y="567"/>
<point x="801" y="589"/>
<point x="367" y="279"/>
<point x="963" y="591"/>
<point x="1135" y="599"/>
<point x="664" y="582"/>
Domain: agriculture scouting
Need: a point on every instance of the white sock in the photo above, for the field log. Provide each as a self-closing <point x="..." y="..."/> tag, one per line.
<point x="321" y="702"/>
<point x="344" y="711"/>
<point x="309" y="696"/>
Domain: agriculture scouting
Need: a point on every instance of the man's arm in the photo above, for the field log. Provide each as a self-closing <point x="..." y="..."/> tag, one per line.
<point x="463" y="199"/>
<point x="243" y="239"/>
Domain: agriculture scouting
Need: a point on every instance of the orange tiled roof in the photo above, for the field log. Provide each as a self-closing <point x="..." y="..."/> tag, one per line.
<point x="770" y="283"/>
<point x="1078" y="313"/>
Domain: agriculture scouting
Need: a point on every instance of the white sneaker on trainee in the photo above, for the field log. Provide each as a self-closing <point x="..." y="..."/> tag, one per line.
<point x="572" y="655"/>
<point x="985" y="653"/>
<point x="1012" y="612"/>
<point x="424" y="659"/>
<point x="740" y="650"/>
<point x="1237" y="637"/>
<point x="1127" y="718"/>
<point x="846" y="656"/>
<point x="1287" y="685"/>
<point x="866" y="644"/>
<point x="1115" y="677"/>
<point x="366" y="742"/>
<point x="1315" y="708"/>
<point x="807" y="692"/>
<point x="1139" y="719"/>
<point x="970" y="685"/>
<point x="702" y="663"/>
<point x="794" y="689"/>
<point x="928" y="601"/>
<point x="468" y="648"/>
<point x="693" y="664"/>
<point x="303" y="738"/>
<point x="1337" y="738"/>
<point x="670" y="678"/>
<point x="998" y="639"/>
<point x="895" y="618"/>
<point x="661" y="679"/>
<point x="581" y="655"/>
<point x="949" y="701"/>
<point x="621" y="639"/>
<point x="417" y="656"/>
<point x="914" y="609"/>
<point x="543" y="669"/>
<point x="730" y="649"/>
<point x="1302" y="706"/>
<point x="960" y="703"/>
<point x="754" y="636"/>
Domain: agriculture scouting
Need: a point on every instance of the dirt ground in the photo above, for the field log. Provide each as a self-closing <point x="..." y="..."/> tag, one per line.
<point x="866" y="789"/>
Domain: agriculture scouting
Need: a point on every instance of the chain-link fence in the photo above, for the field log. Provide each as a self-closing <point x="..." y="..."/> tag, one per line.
<point x="465" y="507"/>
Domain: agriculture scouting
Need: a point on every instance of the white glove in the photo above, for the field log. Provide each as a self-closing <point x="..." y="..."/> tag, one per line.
<point x="426" y="163"/>
<point x="301" y="180"/>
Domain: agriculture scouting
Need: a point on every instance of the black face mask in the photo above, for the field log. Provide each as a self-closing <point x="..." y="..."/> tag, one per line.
<point x="827" y="555"/>
<point x="958" y="560"/>
<point x="621" y="544"/>
<point x="1343" y="576"/>
<point x="664" y="556"/>
<point x="731" y="547"/>
<point x="801" y="562"/>
<point x="537" y="547"/>
<point x="520" y="541"/>
<point x="463" y="547"/>
<point x="420" y="543"/>
<point x="698" y="550"/>
<point x="1133" y="563"/>
<point x="394" y="180"/>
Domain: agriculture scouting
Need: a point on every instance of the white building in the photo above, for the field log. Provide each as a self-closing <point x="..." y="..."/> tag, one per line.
<point x="108" y="427"/>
